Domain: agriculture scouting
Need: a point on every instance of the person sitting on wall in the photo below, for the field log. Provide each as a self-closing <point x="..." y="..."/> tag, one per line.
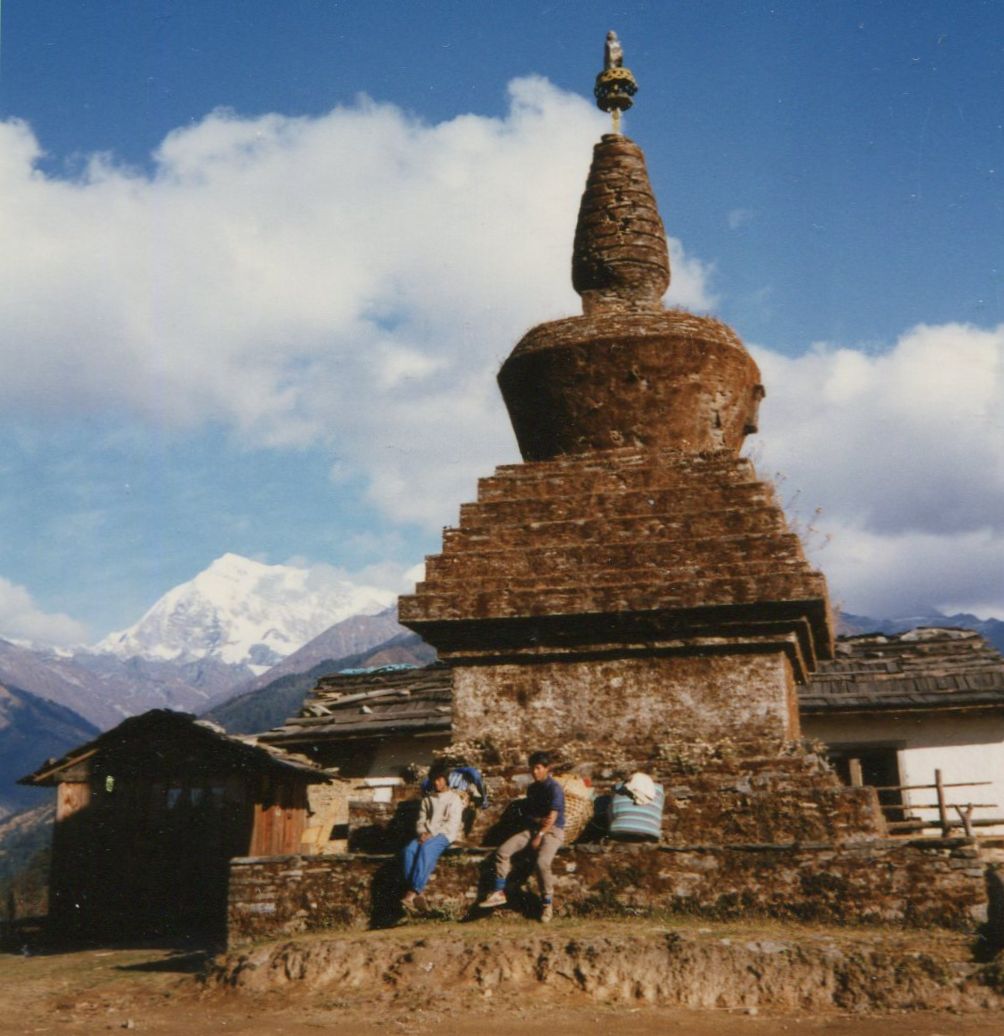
<point x="543" y="832"/>
<point x="440" y="817"/>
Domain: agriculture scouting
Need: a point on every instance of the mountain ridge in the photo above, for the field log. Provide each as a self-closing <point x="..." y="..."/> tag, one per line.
<point x="243" y="612"/>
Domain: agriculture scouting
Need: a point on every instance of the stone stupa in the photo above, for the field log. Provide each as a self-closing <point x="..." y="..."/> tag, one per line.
<point x="632" y="583"/>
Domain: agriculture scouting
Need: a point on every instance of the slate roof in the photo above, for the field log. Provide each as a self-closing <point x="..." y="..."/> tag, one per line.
<point x="372" y="704"/>
<point x="162" y="738"/>
<point x="927" y="668"/>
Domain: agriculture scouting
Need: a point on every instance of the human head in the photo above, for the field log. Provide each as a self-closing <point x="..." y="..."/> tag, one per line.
<point x="540" y="765"/>
<point x="439" y="776"/>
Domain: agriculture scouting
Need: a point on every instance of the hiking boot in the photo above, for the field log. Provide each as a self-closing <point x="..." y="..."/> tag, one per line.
<point x="495" y="899"/>
<point x="546" y="913"/>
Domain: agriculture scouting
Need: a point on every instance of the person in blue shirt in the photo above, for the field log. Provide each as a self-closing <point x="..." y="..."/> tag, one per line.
<point x="543" y="832"/>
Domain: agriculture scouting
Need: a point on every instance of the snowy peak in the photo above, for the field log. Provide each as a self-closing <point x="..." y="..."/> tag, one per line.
<point x="244" y="612"/>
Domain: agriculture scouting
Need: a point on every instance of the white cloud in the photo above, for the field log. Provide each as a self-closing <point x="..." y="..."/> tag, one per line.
<point x="22" y="620"/>
<point x="354" y="278"/>
<point x="904" y="452"/>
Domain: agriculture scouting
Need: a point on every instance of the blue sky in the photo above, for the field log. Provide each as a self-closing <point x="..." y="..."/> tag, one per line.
<point x="262" y="261"/>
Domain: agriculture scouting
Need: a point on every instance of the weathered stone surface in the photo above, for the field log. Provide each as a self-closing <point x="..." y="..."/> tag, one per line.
<point x="619" y="257"/>
<point x="717" y="792"/>
<point x="625" y="551"/>
<point x="652" y="380"/>
<point x="634" y="583"/>
<point x="605" y="701"/>
<point x="880" y="881"/>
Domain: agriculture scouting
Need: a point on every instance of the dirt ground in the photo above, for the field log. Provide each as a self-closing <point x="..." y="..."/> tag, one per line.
<point x="161" y="991"/>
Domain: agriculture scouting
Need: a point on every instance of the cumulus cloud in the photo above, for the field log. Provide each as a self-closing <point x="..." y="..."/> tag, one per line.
<point x="22" y="620"/>
<point x="354" y="278"/>
<point x="904" y="452"/>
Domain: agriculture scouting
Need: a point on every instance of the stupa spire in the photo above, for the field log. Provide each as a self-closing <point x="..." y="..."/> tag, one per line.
<point x="619" y="259"/>
<point x="615" y="85"/>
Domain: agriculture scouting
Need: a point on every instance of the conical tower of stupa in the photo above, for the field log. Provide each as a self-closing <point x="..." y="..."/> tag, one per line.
<point x="632" y="582"/>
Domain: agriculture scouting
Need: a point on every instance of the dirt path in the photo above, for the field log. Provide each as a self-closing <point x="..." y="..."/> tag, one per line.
<point x="158" y="991"/>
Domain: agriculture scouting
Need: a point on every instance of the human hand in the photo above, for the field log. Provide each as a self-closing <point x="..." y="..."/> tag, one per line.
<point x="536" y="840"/>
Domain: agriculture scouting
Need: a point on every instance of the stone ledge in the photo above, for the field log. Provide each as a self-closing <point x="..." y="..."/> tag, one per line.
<point x="882" y="882"/>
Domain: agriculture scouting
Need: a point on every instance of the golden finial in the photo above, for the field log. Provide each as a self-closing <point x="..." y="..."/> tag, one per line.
<point x="615" y="85"/>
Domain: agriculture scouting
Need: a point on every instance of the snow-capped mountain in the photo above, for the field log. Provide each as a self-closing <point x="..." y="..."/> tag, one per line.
<point x="243" y="612"/>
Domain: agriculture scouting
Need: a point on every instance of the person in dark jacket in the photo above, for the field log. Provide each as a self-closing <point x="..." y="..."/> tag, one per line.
<point x="543" y="832"/>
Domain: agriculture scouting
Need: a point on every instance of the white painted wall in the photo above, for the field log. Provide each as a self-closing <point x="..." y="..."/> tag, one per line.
<point x="965" y="746"/>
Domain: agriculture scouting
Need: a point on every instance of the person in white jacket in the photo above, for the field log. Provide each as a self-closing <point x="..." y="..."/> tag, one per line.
<point x="440" y="818"/>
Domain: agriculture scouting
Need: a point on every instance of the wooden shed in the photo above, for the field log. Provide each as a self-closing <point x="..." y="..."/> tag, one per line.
<point x="148" y="816"/>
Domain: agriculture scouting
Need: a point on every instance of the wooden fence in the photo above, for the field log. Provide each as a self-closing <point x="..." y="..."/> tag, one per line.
<point x="944" y="821"/>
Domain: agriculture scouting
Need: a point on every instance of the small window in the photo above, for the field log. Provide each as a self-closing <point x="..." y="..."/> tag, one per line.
<point x="874" y="765"/>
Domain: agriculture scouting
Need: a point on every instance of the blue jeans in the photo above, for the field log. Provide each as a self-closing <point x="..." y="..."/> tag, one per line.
<point x="419" y="860"/>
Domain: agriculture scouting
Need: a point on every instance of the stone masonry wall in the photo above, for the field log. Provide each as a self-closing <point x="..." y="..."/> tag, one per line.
<point x="882" y="881"/>
<point x="620" y="700"/>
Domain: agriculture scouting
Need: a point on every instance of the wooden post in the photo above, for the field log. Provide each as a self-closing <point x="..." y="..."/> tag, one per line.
<point x="854" y="766"/>
<point x="942" y="808"/>
<point x="966" y="816"/>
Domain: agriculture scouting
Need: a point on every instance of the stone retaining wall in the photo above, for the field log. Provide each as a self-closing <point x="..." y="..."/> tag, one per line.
<point x="880" y="881"/>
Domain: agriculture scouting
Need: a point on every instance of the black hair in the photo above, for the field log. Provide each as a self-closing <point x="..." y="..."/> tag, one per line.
<point x="438" y="770"/>
<point x="541" y="759"/>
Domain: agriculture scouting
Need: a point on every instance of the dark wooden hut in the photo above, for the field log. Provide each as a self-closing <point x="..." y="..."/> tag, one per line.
<point x="148" y="816"/>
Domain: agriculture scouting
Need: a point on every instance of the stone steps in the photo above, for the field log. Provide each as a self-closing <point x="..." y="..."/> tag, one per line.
<point x="609" y="562"/>
<point x="629" y="528"/>
<point x="859" y="883"/>
<point x="547" y="477"/>
<point x="499" y="599"/>
<point x="665" y="503"/>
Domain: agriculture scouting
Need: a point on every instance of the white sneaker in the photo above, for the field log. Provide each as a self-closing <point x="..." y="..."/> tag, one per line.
<point x="495" y="899"/>
<point x="546" y="913"/>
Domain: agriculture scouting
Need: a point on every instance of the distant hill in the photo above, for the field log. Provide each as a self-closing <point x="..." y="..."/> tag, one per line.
<point x="105" y="689"/>
<point x="991" y="629"/>
<point x="269" y="706"/>
<point x="25" y="840"/>
<point x="31" y="730"/>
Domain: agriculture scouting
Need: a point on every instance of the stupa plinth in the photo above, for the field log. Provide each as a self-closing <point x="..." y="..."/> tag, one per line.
<point x="632" y="582"/>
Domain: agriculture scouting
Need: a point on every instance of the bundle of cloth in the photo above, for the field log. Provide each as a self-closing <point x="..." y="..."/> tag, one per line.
<point x="636" y="809"/>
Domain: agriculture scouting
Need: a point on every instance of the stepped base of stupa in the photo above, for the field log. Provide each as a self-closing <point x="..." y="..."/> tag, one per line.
<point x="624" y="597"/>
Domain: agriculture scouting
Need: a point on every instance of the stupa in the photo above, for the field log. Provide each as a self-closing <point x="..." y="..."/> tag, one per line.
<point x="631" y="597"/>
<point x="632" y="582"/>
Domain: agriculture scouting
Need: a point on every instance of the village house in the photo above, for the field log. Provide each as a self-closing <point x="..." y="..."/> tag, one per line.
<point x="895" y="710"/>
<point x="150" y="814"/>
